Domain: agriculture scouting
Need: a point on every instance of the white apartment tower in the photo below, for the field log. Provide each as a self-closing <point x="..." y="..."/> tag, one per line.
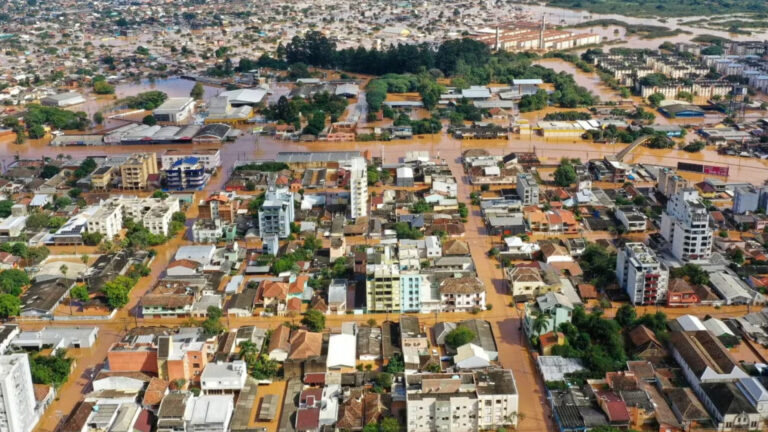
<point x="685" y="225"/>
<point x="17" y="397"/>
<point x="641" y="274"/>
<point x="527" y="189"/>
<point x="358" y="188"/>
<point x="468" y="402"/>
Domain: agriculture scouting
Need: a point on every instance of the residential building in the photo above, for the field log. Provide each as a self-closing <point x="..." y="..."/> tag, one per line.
<point x="670" y="183"/>
<point x="411" y="287"/>
<point x="210" y="158"/>
<point x="641" y="274"/>
<point x="631" y="219"/>
<point x="464" y="402"/>
<point x="101" y="178"/>
<point x="462" y="294"/>
<point x="745" y="199"/>
<point x="136" y="170"/>
<point x="685" y="225"/>
<point x="555" y="309"/>
<point x="154" y="213"/>
<point x="382" y="288"/>
<point x="17" y="396"/>
<point x="358" y="188"/>
<point x="527" y="189"/>
<point x="187" y="173"/>
<point x="221" y="377"/>
<point x="218" y="206"/>
<point x="174" y="110"/>
<point x="209" y="413"/>
<point x="277" y="213"/>
<point x="108" y="219"/>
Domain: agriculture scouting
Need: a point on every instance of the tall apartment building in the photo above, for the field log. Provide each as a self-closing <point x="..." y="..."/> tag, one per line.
<point x="466" y="402"/>
<point x="358" y="188"/>
<point x="412" y="285"/>
<point x="641" y="274"/>
<point x="186" y="173"/>
<point x="527" y="189"/>
<point x="108" y="219"/>
<point x="277" y="213"/>
<point x="17" y="396"/>
<point x="137" y="169"/>
<point x="670" y="182"/>
<point x="745" y="199"/>
<point x="382" y="283"/>
<point x="685" y="225"/>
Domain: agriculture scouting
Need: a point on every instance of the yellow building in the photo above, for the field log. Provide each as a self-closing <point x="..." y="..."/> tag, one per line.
<point x="137" y="169"/>
<point x="101" y="178"/>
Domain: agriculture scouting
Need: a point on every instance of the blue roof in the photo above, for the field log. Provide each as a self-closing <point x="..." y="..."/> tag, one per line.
<point x="189" y="160"/>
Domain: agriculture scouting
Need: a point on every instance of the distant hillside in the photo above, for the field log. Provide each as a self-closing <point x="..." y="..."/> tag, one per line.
<point x="665" y="8"/>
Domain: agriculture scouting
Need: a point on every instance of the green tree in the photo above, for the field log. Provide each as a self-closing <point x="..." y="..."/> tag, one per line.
<point x="103" y="88"/>
<point x="179" y="217"/>
<point x="396" y="364"/>
<point x="5" y="208"/>
<point x="79" y="292"/>
<point x="389" y="424"/>
<point x="13" y="280"/>
<point x="10" y="306"/>
<point x="565" y="174"/>
<point x="459" y="336"/>
<point x="197" y="91"/>
<point x="655" y="99"/>
<point x="384" y="380"/>
<point x="212" y="325"/>
<point x="98" y="118"/>
<point x="540" y="323"/>
<point x="314" y="320"/>
<point x="149" y="120"/>
<point x="49" y="171"/>
<point x="626" y="315"/>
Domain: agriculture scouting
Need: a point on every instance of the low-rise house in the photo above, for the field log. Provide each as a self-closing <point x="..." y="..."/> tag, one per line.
<point x="471" y="356"/>
<point x="645" y="345"/>
<point x="279" y="343"/>
<point x="368" y="343"/>
<point x="462" y="294"/>
<point x="221" y="378"/>
<point x="41" y="298"/>
<point x="56" y="338"/>
<point x="342" y="355"/>
<point x="555" y="309"/>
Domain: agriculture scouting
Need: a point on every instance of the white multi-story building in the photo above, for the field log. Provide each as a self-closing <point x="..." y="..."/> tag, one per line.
<point x="358" y="188"/>
<point x="17" y="396"/>
<point x="108" y="219"/>
<point x="527" y="189"/>
<point x="411" y="286"/>
<point x="466" y="402"/>
<point x="210" y="158"/>
<point x="277" y="213"/>
<point x="154" y="213"/>
<point x="685" y="225"/>
<point x="641" y="274"/>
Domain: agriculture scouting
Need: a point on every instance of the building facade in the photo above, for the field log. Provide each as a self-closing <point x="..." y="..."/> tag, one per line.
<point x="685" y="225"/>
<point x="17" y="397"/>
<point x="641" y="274"/>
<point x="277" y="213"/>
<point x="187" y="173"/>
<point x="137" y="169"/>
<point x="527" y="189"/>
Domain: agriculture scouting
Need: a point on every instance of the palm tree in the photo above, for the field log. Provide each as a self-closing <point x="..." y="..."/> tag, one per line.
<point x="540" y="323"/>
<point x="64" y="269"/>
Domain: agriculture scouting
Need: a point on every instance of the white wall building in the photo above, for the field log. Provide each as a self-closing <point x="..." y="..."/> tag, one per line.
<point x="17" y="397"/>
<point x="210" y="158"/>
<point x="527" y="189"/>
<point x="223" y="377"/>
<point x="641" y="274"/>
<point x="358" y="188"/>
<point x="108" y="219"/>
<point x="685" y="225"/>
<point x="464" y="402"/>
<point x="175" y="110"/>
